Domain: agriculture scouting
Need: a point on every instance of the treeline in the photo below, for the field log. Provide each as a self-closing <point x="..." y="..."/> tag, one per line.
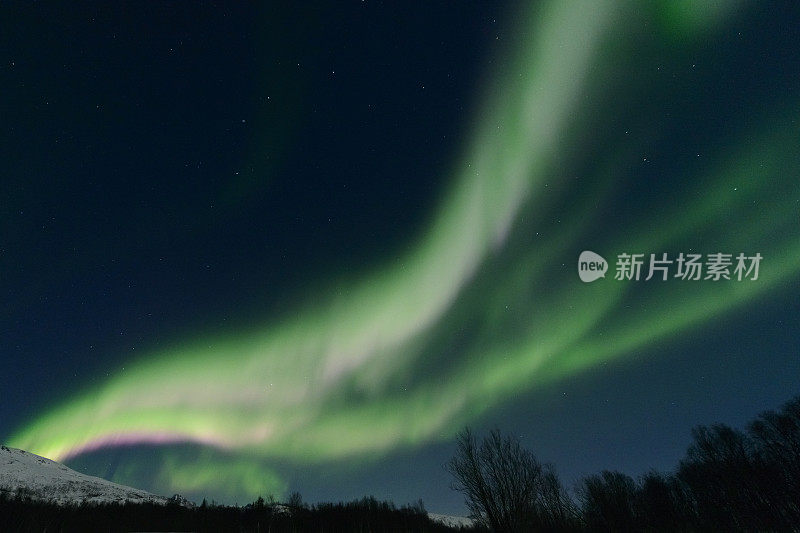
<point x="20" y="513"/>
<point x="729" y="480"/>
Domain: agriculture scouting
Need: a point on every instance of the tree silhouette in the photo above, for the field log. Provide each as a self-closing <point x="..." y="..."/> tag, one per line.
<point x="722" y="477"/>
<point x="506" y="487"/>
<point x="663" y="503"/>
<point x="776" y="440"/>
<point x="607" y="501"/>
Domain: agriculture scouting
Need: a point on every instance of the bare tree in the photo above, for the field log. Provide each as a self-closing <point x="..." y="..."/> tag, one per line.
<point x="722" y="473"/>
<point x="607" y="501"/>
<point x="505" y="486"/>
<point x="776" y="436"/>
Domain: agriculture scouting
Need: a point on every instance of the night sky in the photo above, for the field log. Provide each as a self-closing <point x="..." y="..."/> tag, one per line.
<point x="262" y="248"/>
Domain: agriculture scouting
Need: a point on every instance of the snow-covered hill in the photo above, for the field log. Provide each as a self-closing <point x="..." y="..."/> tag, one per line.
<point x="452" y="521"/>
<point x="43" y="479"/>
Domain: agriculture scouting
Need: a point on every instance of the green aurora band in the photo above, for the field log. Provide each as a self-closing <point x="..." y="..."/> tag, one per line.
<point x="477" y="310"/>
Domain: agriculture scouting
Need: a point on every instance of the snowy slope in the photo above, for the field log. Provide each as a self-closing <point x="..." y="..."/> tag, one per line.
<point x="48" y="480"/>
<point x="452" y="521"/>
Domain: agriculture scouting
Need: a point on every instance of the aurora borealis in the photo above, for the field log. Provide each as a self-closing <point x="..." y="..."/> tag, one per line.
<point x="602" y="126"/>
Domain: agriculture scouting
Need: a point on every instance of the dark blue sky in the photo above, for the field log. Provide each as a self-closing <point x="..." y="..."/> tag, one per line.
<point x="172" y="169"/>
